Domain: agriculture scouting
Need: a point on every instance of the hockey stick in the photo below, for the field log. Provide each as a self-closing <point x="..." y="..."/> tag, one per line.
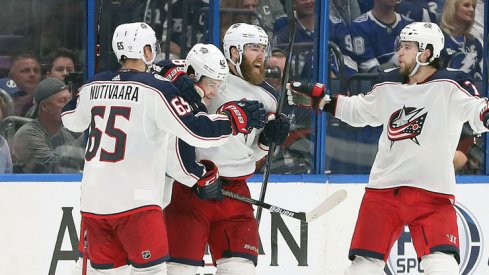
<point x="281" y="99"/>
<point x="329" y="203"/>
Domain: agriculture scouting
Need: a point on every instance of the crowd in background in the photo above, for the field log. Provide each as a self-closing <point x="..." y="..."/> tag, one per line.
<point x="39" y="76"/>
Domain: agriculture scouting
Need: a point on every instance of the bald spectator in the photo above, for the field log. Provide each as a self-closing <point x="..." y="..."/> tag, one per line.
<point x="44" y="145"/>
<point x="25" y="71"/>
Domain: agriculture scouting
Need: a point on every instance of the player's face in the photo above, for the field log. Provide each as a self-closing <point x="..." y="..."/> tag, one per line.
<point x="407" y="57"/>
<point x="253" y="65"/>
<point x="211" y="87"/>
<point x="465" y="11"/>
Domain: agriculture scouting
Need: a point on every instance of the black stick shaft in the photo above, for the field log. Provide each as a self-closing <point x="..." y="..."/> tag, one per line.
<point x="281" y="99"/>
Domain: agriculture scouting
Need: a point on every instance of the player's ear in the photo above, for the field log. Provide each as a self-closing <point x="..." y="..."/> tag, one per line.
<point x="427" y="53"/>
<point x="234" y="54"/>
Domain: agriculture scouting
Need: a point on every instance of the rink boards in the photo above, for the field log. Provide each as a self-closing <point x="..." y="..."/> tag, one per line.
<point x="40" y="229"/>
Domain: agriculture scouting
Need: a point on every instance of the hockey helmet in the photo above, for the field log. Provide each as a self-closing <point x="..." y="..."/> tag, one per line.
<point x="207" y="60"/>
<point x="129" y="41"/>
<point x="240" y="34"/>
<point x="424" y="33"/>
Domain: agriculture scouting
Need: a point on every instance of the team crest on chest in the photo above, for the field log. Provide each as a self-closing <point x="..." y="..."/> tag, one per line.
<point x="406" y="123"/>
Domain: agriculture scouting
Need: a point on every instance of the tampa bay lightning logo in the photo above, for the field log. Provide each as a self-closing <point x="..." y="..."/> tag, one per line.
<point x="467" y="62"/>
<point x="406" y="123"/>
<point x="403" y="258"/>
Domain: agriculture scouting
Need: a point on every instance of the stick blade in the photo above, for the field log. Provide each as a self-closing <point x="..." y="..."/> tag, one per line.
<point x="329" y="203"/>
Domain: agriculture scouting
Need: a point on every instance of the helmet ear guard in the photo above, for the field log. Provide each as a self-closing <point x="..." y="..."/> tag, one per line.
<point x="130" y="39"/>
<point x="424" y="33"/>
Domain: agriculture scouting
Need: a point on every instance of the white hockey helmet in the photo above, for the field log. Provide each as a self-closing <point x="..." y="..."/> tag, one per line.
<point x="240" y="34"/>
<point x="207" y="60"/>
<point x="129" y="41"/>
<point x="424" y="33"/>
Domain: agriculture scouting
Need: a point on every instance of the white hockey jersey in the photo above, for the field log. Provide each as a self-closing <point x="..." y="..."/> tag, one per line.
<point x="421" y="129"/>
<point x="237" y="157"/>
<point x="131" y="116"/>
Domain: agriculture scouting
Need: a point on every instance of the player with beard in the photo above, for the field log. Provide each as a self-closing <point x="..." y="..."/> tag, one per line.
<point x="228" y="226"/>
<point x="412" y="181"/>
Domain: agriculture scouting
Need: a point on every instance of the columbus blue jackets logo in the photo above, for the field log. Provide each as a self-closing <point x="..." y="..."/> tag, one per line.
<point x="406" y="123"/>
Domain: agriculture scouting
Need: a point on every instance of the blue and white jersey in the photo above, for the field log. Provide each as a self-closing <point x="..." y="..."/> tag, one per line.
<point x="418" y="10"/>
<point x="340" y="35"/>
<point x="463" y="53"/>
<point x="303" y="47"/>
<point x="132" y="116"/>
<point x="374" y="43"/>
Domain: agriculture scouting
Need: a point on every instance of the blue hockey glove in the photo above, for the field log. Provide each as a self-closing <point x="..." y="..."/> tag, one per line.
<point x="276" y="130"/>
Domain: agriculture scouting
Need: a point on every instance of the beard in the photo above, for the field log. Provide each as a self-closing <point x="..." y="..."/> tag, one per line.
<point x="249" y="73"/>
<point x="406" y="69"/>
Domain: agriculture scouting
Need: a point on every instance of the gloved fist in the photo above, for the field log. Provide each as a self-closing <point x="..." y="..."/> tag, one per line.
<point x="186" y="87"/>
<point x="276" y="130"/>
<point x="209" y="186"/>
<point x="307" y="95"/>
<point x="484" y="115"/>
<point x="244" y="115"/>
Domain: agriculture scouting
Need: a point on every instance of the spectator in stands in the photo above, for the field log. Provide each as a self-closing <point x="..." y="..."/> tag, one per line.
<point x="275" y="68"/>
<point x="11" y="92"/>
<point x="44" y="145"/>
<point x="419" y="10"/>
<point x="340" y="35"/>
<point x="462" y="50"/>
<point x="60" y="63"/>
<point x="25" y="71"/>
<point x="187" y="26"/>
<point x="5" y="158"/>
<point x="241" y="11"/>
<point x="304" y="37"/>
<point x="268" y="11"/>
<point x="374" y="36"/>
<point x="478" y="27"/>
<point x="347" y="10"/>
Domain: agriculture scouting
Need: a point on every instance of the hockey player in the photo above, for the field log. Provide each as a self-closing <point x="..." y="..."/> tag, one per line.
<point x="205" y="68"/>
<point x="412" y="181"/>
<point x="228" y="226"/>
<point x="132" y="115"/>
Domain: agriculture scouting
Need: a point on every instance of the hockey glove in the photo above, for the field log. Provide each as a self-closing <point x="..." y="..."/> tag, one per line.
<point x="307" y="95"/>
<point x="186" y="87"/>
<point x="209" y="186"/>
<point x="244" y="115"/>
<point x="276" y="130"/>
<point x="484" y="115"/>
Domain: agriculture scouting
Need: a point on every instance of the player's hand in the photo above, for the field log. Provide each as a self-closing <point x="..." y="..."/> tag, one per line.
<point x="307" y="95"/>
<point x="186" y="87"/>
<point x="244" y="115"/>
<point x="276" y="130"/>
<point x="484" y="115"/>
<point x="209" y="186"/>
